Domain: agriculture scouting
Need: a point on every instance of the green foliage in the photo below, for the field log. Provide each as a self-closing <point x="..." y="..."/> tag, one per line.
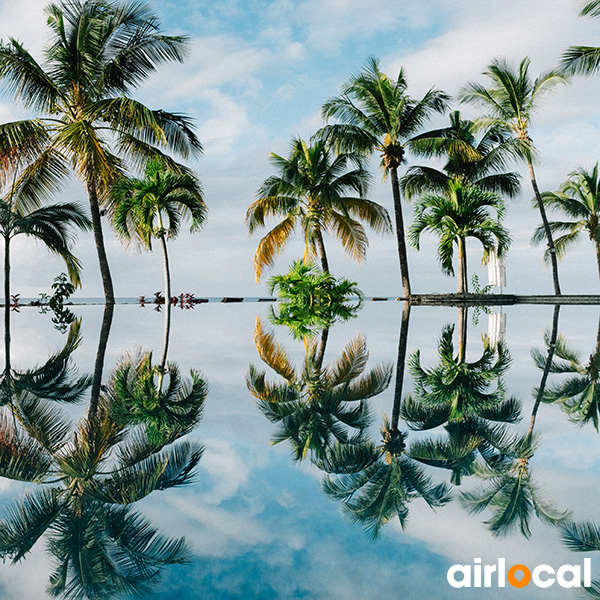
<point x="311" y="300"/>
<point x="63" y="289"/>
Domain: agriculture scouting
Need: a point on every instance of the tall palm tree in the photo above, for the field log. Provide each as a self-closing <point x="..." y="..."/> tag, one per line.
<point x="484" y="168"/>
<point x="316" y="405"/>
<point x="314" y="192"/>
<point x="579" y="201"/>
<point x="376" y="114"/>
<point x="153" y="208"/>
<point x="463" y="211"/>
<point x="583" y="59"/>
<point x="99" y="51"/>
<point x="511" y="102"/>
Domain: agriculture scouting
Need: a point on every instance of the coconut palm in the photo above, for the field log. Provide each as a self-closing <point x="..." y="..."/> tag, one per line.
<point x="511" y="102"/>
<point x="579" y="201"/>
<point x="462" y="211"/>
<point x="484" y="169"/>
<point x="153" y="208"/>
<point x="376" y="114"/>
<point x="88" y="479"/>
<point x="583" y="59"/>
<point x="316" y="405"/>
<point x="314" y="191"/>
<point x="98" y="52"/>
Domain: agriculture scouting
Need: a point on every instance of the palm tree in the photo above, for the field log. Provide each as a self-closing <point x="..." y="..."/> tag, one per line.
<point x="316" y="405"/>
<point x="53" y="225"/>
<point x="579" y="201"/>
<point x="313" y="192"/>
<point x="89" y="479"/>
<point x="377" y="115"/>
<point x="99" y="51"/>
<point x="154" y="207"/>
<point x="583" y="537"/>
<point x="583" y="59"/>
<point x="483" y="169"/>
<point x="463" y="211"/>
<point x="510" y="102"/>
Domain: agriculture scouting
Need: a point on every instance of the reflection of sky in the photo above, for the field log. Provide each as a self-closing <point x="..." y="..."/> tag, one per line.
<point x="259" y="524"/>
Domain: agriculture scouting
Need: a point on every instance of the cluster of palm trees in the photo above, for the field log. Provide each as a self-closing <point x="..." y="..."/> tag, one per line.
<point x="375" y="114"/>
<point x="86" y="122"/>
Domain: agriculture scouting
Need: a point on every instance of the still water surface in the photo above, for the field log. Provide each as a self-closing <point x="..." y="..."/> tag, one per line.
<point x="259" y="523"/>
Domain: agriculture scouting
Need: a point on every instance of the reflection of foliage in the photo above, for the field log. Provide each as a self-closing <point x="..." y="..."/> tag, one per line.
<point x="464" y="389"/>
<point x="314" y="405"/>
<point x="377" y="483"/>
<point x="583" y="537"/>
<point x="63" y="289"/>
<point x="512" y="493"/>
<point x="100" y="547"/>
<point x="579" y="394"/>
<point x="478" y="289"/>
<point x="53" y="381"/>
<point x="312" y="300"/>
<point x="138" y="395"/>
<point x="469" y="399"/>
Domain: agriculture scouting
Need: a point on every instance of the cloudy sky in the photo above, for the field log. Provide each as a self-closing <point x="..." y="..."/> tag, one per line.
<point x="256" y="76"/>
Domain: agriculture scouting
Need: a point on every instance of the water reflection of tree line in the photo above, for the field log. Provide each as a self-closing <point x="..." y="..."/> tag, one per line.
<point x="129" y="444"/>
<point x="376" y="481"/>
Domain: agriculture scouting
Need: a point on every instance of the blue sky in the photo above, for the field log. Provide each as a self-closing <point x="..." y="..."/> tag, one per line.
<point x="256" y="76"/>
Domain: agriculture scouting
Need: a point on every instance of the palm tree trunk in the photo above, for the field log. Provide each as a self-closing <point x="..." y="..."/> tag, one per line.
<point x="100" y="355"/>
<point x="163" y="360"/>
<point x="7" y="302"/>
<point x="109" y="294"/>
<point x="402" y="255"/>
<point x="551" y="248"/>
<point x="322" y="253"/>
<point x="549" y="358"/>
<point x="462" y="266"/>
<point x="597" y="244"/>
<point x="400" y="363"/>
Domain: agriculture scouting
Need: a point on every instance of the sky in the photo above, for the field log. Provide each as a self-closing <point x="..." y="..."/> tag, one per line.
<point x="256" y="76"/>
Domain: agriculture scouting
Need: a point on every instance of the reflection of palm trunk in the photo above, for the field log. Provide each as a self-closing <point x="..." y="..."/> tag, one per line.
<point x="322" y="346"/>
<point x="463" y="313"/>
<point x="7" y="301"/>
<point x="402" y="345"/>
<point x="551" y="249"/>
<point x="99" y="364"/>
<point x="549" y="359"/>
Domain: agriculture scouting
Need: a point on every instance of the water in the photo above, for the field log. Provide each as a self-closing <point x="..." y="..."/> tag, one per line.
<point x="259" y="524"/>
